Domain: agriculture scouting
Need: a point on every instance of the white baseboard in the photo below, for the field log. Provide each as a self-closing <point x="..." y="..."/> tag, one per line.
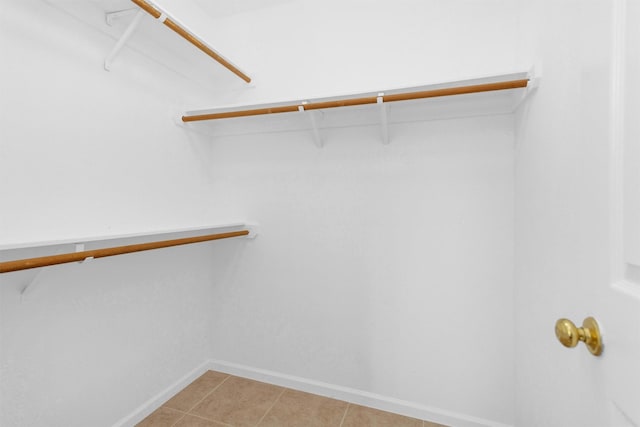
<point x="351" y="395"/>
<point x="155" y="402"/>
<point x="384" y="403"/>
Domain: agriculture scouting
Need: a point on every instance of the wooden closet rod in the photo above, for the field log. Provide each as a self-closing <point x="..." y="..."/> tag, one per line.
<point x="460" y="90"/>
<point x="25" y="264"/>
<point x="191" y="39"/>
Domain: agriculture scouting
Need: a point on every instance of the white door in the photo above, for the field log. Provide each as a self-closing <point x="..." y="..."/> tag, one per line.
<point x="578" y="213"/>
<point x="622" y="358"/>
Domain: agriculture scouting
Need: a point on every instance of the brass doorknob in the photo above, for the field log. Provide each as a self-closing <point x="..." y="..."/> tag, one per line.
<point x="569" y="335"/>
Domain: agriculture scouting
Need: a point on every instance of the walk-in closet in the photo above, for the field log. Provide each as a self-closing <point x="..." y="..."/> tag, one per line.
<point x="284" y="213"/>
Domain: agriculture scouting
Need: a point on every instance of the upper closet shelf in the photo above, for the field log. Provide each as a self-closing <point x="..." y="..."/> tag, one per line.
<point x="498" y="94"/>
<point x="179" y="29"/>
<point x="131" y="23"/>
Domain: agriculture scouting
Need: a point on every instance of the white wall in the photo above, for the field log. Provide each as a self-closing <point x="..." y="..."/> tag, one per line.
<point x="88" y="344"/>
<point x="87" y="152"/>
<point x="305" y="48"/>
<point x="562" y="244"/>
<point x="387" y="269"/>
<point x="70" y="128"/>
<point x="384" y="269"/>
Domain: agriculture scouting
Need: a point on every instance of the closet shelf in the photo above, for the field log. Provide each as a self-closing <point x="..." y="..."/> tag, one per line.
<point x="129" y="25"/>
<point x="40" y="254"/>
<point x="360" y="99"/>
<point x="183" y="32"/>
<point x="497" y="94"/>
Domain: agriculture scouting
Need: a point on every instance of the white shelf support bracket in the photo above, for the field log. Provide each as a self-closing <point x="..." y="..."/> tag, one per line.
<point x="33" y="283"/>
<point x="384" y="124"/>
<point x="80" y="248"/>
<point x="534" y="83"/>
<point x="36" y="278"/>
<point x="254" y="230"/>
<point x="123" y="39"/>
<point x="532" y="86"/>
<point x="534" y="80"/>
<point x="112" y="17"/>
<point x="313" y="118"/>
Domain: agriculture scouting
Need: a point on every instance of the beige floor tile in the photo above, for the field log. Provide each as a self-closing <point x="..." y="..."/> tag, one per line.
<point x="191" y="421"/>
<point x="298" y="409"/>
<point x="359" y="416"/>
<point x="162" y="417"/>
<point x="238" y="401"/>
<point x="430" y="424"/>
<point x="196" y="391"/>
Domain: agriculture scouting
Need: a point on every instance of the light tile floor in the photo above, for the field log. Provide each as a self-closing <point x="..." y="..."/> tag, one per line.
<point x="221" y="400"/>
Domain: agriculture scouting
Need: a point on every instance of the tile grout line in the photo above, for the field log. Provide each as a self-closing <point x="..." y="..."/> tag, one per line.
<point x="284" y="389"/>
<point x="208" y="419"/>
<point x="207" y="395"/>
<point x="198" y="402"/>
<point x="184" y="414"/>
<point x="345" y="414"/>
<point x="271" y="407"/>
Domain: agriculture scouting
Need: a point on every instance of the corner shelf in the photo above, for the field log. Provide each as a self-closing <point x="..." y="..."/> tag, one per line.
<point x="489" y="95"/>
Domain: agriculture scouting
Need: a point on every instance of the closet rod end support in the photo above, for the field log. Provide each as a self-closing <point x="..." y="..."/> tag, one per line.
<point x="534" y="83"/>
<point x="254" y="230"/>
<point x="534" y="78"/>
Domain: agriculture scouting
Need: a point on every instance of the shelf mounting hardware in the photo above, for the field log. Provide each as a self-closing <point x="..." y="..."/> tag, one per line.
<point x="384" y="123"/>
<point x="314" y="124"/>
<point x="112" y="17"/>
<point x="532" y="86"/>
<point x="123" y="39"/>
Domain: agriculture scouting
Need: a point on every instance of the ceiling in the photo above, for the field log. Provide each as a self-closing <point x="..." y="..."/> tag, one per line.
<point x="221" y="8"/>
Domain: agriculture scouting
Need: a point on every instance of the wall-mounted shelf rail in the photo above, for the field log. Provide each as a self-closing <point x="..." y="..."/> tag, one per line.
<point x="482" y="96"/>
<point x="361" y="99"/>
<point x="82" y="255"/>
<point x="182" y="32"/>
